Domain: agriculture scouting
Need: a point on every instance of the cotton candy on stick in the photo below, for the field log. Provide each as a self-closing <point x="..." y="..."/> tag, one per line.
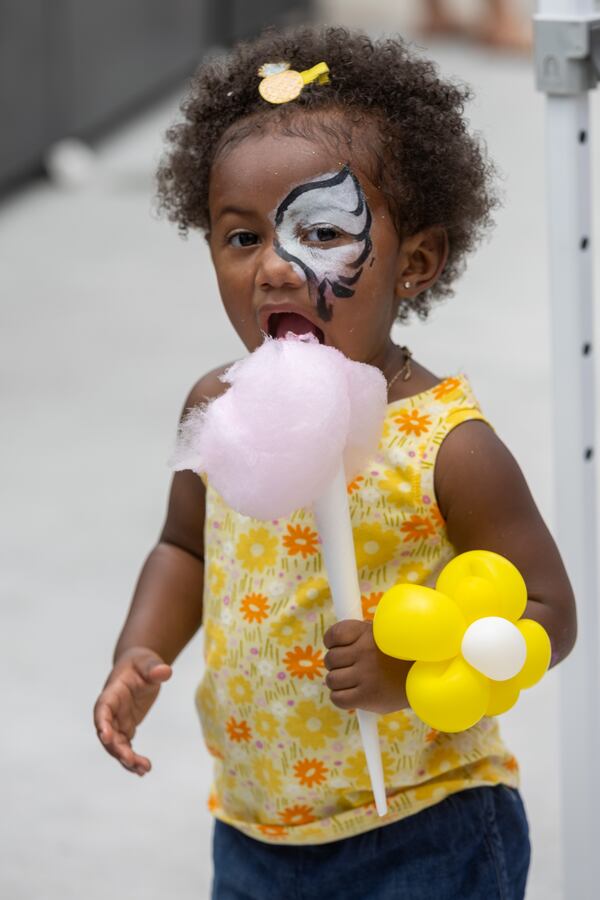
<point x="298" y="422"/>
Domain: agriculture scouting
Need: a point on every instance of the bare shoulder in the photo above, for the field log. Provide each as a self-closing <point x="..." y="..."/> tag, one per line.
<point x="208" y="387"/>
<point x="184" y="523"/>
<point x="473" y="459"/>
<point x="485" y="499"/>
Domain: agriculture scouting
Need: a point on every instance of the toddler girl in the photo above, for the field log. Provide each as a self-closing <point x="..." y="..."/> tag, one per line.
<point x="334" y="202"/>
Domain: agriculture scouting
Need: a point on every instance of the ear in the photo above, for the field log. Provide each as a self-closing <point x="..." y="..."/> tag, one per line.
<point x="421" y="261"/>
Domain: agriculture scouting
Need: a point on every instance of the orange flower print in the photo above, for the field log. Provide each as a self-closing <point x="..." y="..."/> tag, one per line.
<point x="273" y="830"/>
<point x="297" y="815"/>
<point x="213" y="803"/>
<point x="238" y="731"/>
<point x="355" y="484"/>
<point x="511" y="764"/>
<point x="369" y="604"/>
<point x="310" y="772"/>
<point x="411" y="422"/>
<point x="447" y="390"/>
<point x="304" y="662"/>
<point x="301" y="540"/>
<point x="255" y="608"/>
<point x="436" y="515"/>
<point x="416" y="528"/>
<point x="431" y="736"/>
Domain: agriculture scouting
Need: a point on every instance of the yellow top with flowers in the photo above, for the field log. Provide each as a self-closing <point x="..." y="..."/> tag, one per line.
<point x="289" y="767"/>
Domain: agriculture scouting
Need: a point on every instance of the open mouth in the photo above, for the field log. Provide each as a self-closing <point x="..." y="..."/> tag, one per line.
<point x="282" y="323"/>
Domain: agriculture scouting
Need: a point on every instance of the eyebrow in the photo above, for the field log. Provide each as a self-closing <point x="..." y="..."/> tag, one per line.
<point x="235" y="210"/>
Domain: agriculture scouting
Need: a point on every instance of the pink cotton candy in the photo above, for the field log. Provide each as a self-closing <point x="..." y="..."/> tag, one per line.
<point x="273" y="441"/>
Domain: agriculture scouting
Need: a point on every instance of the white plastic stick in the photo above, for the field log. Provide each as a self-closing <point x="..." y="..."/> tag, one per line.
<point x="333" y="521"/>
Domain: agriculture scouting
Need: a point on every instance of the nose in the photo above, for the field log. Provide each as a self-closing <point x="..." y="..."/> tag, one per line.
<point x="274" y="271"/>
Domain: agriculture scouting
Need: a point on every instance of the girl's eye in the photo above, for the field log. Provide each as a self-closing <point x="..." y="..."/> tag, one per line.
<point x="243" y="239"/>
<point x="322" y="234"/>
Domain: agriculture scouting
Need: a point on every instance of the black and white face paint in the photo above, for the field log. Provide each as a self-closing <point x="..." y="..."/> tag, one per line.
<point x="336" y="201"/>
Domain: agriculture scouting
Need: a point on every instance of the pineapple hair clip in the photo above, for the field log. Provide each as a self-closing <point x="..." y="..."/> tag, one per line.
<point x="280" y="83"/>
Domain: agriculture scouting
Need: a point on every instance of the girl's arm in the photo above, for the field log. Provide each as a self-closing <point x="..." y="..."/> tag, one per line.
<point x="487" y="505"/>
<point x="165" y="613"/>
<point x="166" y="609"/>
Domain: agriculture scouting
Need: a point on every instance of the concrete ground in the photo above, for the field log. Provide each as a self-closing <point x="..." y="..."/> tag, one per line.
<point x="107" y="319"/>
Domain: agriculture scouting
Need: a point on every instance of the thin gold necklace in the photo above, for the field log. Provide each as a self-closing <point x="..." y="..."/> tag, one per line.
<point x="404" y="370"/>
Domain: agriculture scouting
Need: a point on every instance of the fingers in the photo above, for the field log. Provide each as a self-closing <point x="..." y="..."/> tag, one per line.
<point x="118" y="744"/>
<point x="346" y="699"/>
<point x="342" y="679"/>
<point x="340" y="657"/>
<point x="115" y="727"/>
<point x="343" y="633"/>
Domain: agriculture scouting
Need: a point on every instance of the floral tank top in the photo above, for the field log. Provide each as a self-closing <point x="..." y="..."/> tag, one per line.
<point x="289" y="767"/>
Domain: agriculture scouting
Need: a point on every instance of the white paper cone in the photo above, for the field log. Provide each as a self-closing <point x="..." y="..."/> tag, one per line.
<point x="335" y="529"/>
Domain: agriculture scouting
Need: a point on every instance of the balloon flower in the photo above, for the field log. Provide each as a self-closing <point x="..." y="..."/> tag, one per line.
<point x="298" y="422"/>
<point x="473" y="652"/>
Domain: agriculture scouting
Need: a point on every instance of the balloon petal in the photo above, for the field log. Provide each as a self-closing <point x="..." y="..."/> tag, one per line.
<point x="506" y="584"/>
<point x="448" y="696"/>
<point x="477" y="597"/>
<point x="416" y="622"/>
<point x="539" y="652"/>
<point x="503" y="696"/>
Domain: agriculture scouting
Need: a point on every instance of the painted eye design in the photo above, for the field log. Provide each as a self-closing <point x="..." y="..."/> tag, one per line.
<point x="332" y="266"/>
<point x="242" y="239"/>
<point x="322" y="234"/>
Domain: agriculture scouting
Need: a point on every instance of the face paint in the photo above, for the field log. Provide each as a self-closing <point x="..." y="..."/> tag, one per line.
<point x="335" y="200"/>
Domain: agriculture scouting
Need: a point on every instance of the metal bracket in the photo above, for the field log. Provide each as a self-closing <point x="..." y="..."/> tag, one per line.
<point x="566" y="54"/>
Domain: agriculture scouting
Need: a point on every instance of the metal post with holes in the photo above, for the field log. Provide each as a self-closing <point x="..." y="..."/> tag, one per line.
<point x="567" y="60"/>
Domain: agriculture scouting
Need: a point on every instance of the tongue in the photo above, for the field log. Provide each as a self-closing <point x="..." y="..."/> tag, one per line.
<point x="295" y="323"/>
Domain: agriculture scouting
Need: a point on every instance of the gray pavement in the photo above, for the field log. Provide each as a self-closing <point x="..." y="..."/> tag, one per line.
<point x="107" y="319"/>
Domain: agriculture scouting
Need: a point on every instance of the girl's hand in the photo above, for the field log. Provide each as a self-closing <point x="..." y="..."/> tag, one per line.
<point x="130" y="691"/>
<point x="360" y="675"/>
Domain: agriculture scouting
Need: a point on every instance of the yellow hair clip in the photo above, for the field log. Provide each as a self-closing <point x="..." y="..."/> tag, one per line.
<point x="280" y="83"/>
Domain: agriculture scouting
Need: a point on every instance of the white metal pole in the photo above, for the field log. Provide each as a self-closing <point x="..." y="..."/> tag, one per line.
<point x="568" y="175"/>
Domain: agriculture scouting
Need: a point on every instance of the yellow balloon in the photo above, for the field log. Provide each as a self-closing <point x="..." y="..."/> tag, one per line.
<point x="448" y="696"/>
<point x="415" y="622"/>
<point x="506" y="587"/>
<point x="477" y="597"/>
<point x="539" y="652"/>
<point x="503" y="696"/>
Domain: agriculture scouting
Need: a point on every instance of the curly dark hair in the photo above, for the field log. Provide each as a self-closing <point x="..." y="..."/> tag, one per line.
<point x="383" y="102"/>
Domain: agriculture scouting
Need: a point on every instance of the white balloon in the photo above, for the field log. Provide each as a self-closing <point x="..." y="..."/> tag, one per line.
<point x="495" y="647"/>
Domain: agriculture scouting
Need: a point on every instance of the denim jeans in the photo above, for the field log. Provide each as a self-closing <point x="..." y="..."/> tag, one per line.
<point x="474" y="845"/>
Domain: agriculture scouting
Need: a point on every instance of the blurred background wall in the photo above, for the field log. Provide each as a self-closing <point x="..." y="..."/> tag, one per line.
<point x="78" y="67"/>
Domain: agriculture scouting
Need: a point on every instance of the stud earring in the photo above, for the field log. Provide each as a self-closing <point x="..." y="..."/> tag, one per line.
<point x="407" y="285"/>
